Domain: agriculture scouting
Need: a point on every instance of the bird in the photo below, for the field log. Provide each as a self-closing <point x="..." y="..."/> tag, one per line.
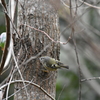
<point x="51" y="64"/>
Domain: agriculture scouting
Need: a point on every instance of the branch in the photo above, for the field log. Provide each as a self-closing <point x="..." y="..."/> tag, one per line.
<point x="89" y="4"/>
<point x="19" y="72"/>
<point x="69" y="6"/>
<point x="82" y="2"/>
<point x="36" y="85"/>
<point x="16" y="91"/>
<point x="90" y="79"/>
<point x="5" y="53"/>
<point x="12" y="23"/>
<point x="73" y="21"/>
<point x="79" y="69"/>
<point x="49" y="36"/>
<point x="34" y="57"/>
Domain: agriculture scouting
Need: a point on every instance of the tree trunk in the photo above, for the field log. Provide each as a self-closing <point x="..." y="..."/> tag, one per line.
<point x="41" y="15"/>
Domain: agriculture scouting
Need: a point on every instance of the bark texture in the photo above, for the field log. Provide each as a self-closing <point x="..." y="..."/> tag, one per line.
<point x="41" y="15"/>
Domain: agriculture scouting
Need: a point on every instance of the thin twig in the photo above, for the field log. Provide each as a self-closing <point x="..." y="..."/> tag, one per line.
<point x="64" y="43"/>
<point x="17" y="91"/>
<point x="79" y="69"/>
<point x="11" y="47"/>
<point x="20" y="73"/>
<point x="72" y="22"/>
<point x="69" y="6"/>
<point x="90" y="79"/>
<point x="36" y="85"/>
<point x="34" y="57"/>
<point x="12" y="24"/>
<point x="83" y="2"/>
<point x="90" y="5"/>
<point x="8" y="86"/>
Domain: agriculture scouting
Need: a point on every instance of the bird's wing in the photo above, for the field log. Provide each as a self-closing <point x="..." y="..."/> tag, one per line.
<point x="59" y="63"/>
<point x="53" y="66"/>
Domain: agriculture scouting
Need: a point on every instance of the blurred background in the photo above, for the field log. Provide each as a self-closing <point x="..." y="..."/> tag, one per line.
<point x="86" y="22"/>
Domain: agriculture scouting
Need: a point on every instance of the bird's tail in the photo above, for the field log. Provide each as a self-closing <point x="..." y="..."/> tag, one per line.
<point x="62" y="65"/>
<point x="66" y="67"/>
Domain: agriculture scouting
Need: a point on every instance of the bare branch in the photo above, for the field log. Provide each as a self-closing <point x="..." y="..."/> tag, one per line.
<point x="12" y="23"/>
<point x="49" y="36"/>
<point x="89" y="4"/>
<point x="90" y="79"/>
<point x="34" y="57"/>
<point x="69" y="6"/>
<point x="5" y="53"/>
<point x="20" y="73"/>
<point x="79" y="69"/>
<point x="36" y="85"/>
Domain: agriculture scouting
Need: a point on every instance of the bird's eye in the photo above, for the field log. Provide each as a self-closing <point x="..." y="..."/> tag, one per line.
<point x="41" y="58"/>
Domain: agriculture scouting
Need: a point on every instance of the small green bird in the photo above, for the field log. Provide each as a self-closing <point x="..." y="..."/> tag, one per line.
<point x="51" y="64"/>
